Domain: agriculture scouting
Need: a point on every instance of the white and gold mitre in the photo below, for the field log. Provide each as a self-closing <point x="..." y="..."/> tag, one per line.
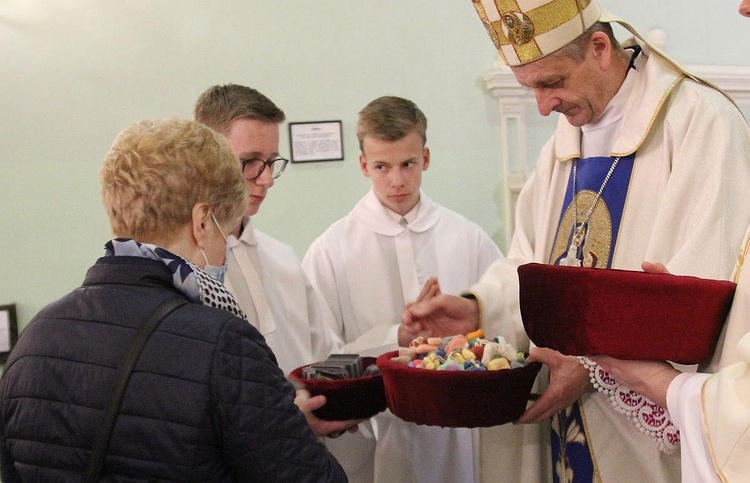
<point x="527" y="30"/>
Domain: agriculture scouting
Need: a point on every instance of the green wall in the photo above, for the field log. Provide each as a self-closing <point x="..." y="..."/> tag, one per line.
<point x="73" y="73"/>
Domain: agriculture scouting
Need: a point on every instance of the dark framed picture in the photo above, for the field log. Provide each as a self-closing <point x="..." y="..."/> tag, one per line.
<point x="316" y="141"/>
<point x="8" y="330"/>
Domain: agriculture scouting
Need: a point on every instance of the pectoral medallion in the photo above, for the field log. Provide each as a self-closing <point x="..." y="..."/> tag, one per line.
<point x="571" y="259"/>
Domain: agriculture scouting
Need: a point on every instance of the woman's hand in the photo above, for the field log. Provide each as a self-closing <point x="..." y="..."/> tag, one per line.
<point x="321" y="427"/>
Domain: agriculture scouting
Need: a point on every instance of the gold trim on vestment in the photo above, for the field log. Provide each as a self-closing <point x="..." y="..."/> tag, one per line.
<point x="708" y="432"/>
<point x="655" y="114"/>
<point x="596" y="476"/>
<point x="741" y="260"/>
<point x="569" y="158"/>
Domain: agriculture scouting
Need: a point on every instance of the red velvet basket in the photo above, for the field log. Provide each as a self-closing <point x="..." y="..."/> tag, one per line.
<point x="456" y="399"/>
<point x="355" y="398"/>
<point x="621" y="313"/>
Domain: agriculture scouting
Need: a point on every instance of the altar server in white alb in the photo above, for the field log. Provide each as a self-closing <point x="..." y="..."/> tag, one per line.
<point x="647" y="163"/>
<point x="372" y="262"/>
<point x="264" y="274"/>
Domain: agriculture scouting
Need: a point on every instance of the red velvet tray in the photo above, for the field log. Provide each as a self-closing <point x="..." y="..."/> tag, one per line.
<point x="357" y="398"/>
<point x="621" y="313"/>
<point x="456" y="399"/>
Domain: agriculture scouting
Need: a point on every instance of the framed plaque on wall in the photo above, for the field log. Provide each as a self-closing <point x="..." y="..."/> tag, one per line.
<point x="316" y="141"/>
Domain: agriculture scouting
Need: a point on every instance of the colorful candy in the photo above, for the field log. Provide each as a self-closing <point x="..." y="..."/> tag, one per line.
<point x="461" y="353"/>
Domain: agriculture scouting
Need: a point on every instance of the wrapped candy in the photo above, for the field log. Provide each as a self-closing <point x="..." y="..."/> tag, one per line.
<point x="469" y="352"/>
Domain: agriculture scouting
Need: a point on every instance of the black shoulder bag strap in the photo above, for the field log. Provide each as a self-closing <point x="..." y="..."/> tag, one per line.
<point x="103" y="435"/>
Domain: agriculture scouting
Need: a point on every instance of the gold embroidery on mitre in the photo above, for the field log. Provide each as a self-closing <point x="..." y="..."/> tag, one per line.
<point x="539" y="20"/>
<point x="494" y="35"/>
<point x="518" y="30"/>
<point x="528" y="52"/>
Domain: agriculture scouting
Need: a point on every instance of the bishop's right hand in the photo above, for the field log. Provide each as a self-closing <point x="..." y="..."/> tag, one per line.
<point x="439" y="315"/>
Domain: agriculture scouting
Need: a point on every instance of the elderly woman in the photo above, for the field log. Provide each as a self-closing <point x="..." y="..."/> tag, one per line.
<point x="205" y="400"/>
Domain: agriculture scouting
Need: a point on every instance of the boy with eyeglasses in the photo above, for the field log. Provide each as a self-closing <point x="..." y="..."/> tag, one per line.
<point x="263" y="274"/>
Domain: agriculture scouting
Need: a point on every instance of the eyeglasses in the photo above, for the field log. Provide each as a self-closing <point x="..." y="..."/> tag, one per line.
<point x="253" y="168"/>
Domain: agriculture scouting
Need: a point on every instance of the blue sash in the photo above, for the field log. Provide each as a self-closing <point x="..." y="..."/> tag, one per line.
<point x="571" y="456"/>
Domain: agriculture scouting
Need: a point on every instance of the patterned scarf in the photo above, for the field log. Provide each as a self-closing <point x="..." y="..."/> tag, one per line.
<point x="191" y="281"/>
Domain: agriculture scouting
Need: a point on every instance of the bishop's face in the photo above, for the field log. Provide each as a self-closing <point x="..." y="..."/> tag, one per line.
<point x="578" y="89"/>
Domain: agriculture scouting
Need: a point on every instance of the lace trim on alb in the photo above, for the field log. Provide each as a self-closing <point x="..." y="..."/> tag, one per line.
<point x="648" y="417"/>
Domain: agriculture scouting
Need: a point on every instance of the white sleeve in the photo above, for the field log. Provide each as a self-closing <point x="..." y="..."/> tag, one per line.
<point x="684" y="404"/>
<point x="489" y="252"/>
<point x="324" y="340"/>
<point x="497" y="295"/>
<point x="318" y="268"/>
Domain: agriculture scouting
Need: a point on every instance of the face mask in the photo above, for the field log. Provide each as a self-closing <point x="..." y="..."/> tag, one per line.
<point x="216" y="271"/>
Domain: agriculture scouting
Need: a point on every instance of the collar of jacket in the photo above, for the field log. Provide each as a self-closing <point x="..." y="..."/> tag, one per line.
<point x="129" y="271"/>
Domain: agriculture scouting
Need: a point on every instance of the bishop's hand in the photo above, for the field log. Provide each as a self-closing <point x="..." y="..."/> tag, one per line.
<point x="441" y="316"/>
<point x="568" y="380"/>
